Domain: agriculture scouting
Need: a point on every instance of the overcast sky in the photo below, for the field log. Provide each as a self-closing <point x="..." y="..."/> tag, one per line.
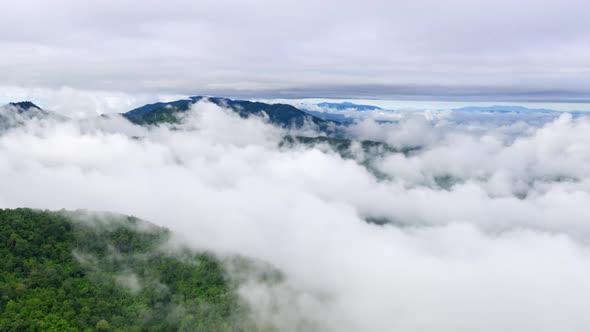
<point x="422" y="49"/>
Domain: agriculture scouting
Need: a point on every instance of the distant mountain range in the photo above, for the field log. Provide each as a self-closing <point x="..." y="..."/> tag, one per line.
<point x="503" y="109"/>
<point x="336" y="111"/>
<point x="283" y="115"/>
<point x="287" y="116"/>
<point x="330" y="124"/>
<point x="342" y="119"/>
<point x="349" y="106"/>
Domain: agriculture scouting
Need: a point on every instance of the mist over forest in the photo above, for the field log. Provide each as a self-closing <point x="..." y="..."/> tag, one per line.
<point x="451" y="220"/>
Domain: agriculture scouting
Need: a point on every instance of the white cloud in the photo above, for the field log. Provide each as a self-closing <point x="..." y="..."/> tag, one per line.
<point x="476" y="256"/>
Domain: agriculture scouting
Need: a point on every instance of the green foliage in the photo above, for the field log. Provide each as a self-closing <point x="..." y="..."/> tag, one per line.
<point x="103" y="325"/>
<point x="59" y="274"/>
<point x="160" y="115"/>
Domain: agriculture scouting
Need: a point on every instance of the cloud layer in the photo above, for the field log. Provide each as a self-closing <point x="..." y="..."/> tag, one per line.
<point x="486" y="226"/>
<point x="533" y="50"/>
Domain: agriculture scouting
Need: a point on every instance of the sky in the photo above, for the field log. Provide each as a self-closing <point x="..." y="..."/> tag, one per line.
<point x="411" y="50"/>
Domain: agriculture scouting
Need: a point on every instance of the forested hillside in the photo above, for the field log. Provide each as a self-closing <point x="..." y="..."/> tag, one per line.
<point x="60" y="273"/>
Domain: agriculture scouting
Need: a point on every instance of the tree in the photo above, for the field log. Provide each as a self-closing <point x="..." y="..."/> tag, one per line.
<point x="102" y="325"/>
<point x="59" y="274"/>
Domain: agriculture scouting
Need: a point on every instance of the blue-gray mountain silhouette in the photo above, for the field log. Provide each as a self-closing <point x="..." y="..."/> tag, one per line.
<point x="282" y="115"/>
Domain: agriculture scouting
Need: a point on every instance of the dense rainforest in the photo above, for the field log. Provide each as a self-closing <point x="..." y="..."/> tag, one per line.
<point x="67" y="271"/>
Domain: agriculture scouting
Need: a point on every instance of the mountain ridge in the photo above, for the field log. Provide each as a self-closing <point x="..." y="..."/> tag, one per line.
<point x="25" y="105"/>
<point x="346" y="105"/>
<point x="283" y="115"/>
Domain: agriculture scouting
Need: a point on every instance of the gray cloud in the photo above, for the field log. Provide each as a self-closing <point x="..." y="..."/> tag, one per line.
<point x="533" y="50"/>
